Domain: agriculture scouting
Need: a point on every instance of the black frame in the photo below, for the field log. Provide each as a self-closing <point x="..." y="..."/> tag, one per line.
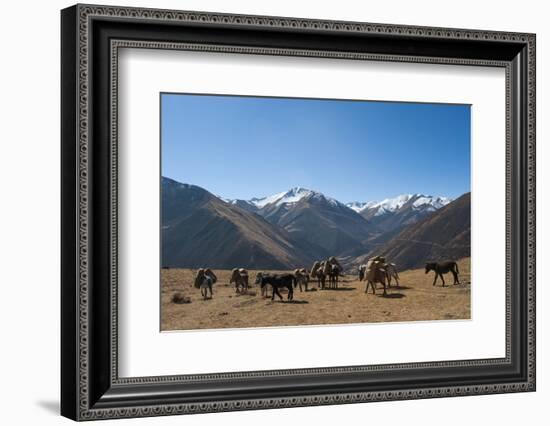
<point x="90" y="387"/>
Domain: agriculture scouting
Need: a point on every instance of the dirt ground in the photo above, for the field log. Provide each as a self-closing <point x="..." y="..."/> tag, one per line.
<point x="414" y="300"/>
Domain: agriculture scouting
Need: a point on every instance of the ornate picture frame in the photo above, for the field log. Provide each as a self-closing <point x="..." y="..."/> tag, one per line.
<point x="90" y="40"/>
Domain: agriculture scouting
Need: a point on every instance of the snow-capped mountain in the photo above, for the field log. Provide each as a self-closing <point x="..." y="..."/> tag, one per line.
<point x="290" y="197"/>
<point x="313" y="217"/>
<point x="358" y="206"/>
<point x="394" y="213"/>
<point x="287" y="229"/>
<point x="391" y="205"/>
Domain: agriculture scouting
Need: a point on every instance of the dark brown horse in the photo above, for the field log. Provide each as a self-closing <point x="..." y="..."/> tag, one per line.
<point x="276" y="282"/>
<point x="441" y="268"/>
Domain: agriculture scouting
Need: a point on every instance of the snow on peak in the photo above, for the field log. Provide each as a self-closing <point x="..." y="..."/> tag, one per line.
<point x="391" y="205"/>
<point x="430" y="202"/>
<point x="292" y="196"/>
<point x="356" y="206"/>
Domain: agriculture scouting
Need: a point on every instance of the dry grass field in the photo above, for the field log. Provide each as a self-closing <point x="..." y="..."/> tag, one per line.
<point x="415" y="300"/>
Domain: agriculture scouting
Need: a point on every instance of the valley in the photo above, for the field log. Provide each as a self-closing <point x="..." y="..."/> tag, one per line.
<point x="414" y="300"/>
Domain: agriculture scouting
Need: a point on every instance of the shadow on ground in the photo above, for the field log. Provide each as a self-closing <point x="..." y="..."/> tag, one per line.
<point x="50" y="406"/>
<point x="392" y="296"/>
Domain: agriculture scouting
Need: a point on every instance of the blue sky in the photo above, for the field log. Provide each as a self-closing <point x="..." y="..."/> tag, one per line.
<point x="244" y="147"/>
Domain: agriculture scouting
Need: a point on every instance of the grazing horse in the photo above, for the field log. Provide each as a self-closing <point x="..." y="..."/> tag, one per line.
<point x="278" y="281"/>
<point x="441" y="268"/>
<point x="302" y="277"/>
<point x="263" y="290"/>
<point x="239" y="277"/>
<point x="205" y="279"/>
<point x="374" y="272"/>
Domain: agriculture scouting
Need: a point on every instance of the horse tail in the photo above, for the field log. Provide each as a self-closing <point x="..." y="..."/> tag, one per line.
<point x="456" y="268"/>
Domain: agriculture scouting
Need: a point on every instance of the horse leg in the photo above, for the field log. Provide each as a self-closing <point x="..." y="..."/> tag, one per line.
<point x="442" y="279"/>
<point x="290" y="292"/>
<point x="455" y="275"/>
<point x="435" y="279"/>
<point x="276" y="292"/>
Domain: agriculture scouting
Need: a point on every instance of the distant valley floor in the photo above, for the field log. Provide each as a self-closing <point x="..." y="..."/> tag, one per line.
<point x="415" y="300"/>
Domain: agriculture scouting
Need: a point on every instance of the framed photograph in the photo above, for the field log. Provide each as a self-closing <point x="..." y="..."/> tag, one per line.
<point x="265" y="212"/>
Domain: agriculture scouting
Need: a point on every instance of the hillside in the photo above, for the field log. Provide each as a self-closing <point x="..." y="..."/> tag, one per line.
<point x="396" y="213"/>
<point x="444" y="234"/>
<point x="199" y="229"/>
<point x="319" y="220"/>
<point x="293" y="228"/>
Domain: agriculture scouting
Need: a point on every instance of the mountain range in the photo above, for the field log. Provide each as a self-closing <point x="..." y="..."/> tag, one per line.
<point x="282" y="231"/>
<point x="445" y="234"/>
<point x="200" y="229"/>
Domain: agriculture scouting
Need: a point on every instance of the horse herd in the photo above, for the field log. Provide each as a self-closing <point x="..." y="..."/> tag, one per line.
<point x="326" y="272"/>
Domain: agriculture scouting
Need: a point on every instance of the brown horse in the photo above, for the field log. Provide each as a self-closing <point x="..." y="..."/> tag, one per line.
<point x="374" y="272"/>
<point x="205" y="279"/>
<point x="239" y="277"/>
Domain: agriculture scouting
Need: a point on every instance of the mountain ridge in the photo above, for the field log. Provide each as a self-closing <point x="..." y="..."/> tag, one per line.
<point x="282" y="231"/>
<point x="445" y="234"/>
<point x="200" y="229"/>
